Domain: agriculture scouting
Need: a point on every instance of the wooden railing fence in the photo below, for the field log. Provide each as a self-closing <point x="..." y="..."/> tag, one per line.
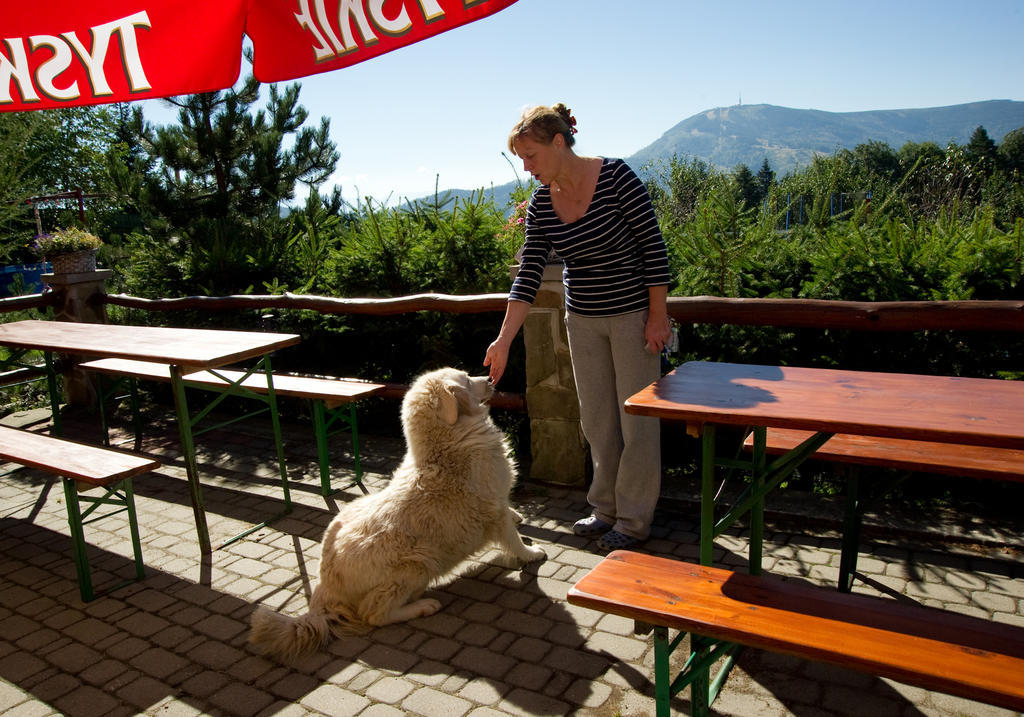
<point x="783" y="313"/>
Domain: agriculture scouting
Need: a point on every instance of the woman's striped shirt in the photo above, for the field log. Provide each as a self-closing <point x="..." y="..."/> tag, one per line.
<point x="611" y="254"/>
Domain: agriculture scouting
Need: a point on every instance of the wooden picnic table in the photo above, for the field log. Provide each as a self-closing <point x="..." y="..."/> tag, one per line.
<point x="825" y="402"/>
<point x="704" y="395"/>
<point x="183" y="350"/>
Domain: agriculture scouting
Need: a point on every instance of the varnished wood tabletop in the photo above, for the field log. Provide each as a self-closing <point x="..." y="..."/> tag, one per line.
<point x="988" y="412"/>
<point x="193" y="348"/>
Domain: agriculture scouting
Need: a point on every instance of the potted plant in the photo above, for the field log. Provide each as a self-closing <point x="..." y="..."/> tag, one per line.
<point x="69" y="251"/>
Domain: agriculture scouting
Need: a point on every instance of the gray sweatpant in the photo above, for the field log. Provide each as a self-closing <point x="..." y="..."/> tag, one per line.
<point x="610" y="364"/>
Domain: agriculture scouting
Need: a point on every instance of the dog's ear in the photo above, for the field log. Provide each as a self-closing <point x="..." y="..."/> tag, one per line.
<point x="454" y="399"/>
<point x="448" y="403"/>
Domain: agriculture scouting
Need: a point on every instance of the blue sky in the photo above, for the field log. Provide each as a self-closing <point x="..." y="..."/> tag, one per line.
<point x="631" y="69"/>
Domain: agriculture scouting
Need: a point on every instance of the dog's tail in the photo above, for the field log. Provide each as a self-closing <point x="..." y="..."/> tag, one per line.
<point x="288" y="637"/>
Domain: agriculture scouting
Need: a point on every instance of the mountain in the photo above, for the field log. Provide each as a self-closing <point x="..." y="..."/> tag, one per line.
<point x="747" y="134"/>
<point x="790" y="138"/>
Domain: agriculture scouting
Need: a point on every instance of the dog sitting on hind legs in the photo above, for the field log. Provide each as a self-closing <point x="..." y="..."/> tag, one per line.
<point x="448" y="500"/>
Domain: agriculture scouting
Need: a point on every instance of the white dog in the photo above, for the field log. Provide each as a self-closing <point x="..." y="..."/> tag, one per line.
<point x="447" y="500"/>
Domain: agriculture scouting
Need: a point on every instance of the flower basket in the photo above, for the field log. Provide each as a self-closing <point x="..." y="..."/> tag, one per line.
<point x="76" y="262"/>
<point x="69" y="251"/>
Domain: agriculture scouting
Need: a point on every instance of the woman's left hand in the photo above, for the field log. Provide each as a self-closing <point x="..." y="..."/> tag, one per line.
<point x="657" y="333"/>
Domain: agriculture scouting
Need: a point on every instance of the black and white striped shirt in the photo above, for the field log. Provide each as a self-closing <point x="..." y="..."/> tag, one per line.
<point x="611" y="254"/>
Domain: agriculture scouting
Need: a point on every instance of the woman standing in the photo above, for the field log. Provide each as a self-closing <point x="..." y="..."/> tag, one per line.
<point x="595" y="213"/>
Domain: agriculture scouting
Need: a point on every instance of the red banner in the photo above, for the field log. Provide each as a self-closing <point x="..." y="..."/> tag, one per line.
<point x="59" y="53"/>
<point x="304" y="37"/>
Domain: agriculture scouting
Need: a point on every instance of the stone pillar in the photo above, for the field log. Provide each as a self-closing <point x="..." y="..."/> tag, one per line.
<point x="80" y="300"/>
<point x="557" y="447"/>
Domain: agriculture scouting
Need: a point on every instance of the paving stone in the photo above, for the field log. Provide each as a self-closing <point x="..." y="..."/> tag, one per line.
<point x="992" y="602"/>
<point x="380" y="710"/>
<point x="74" y="658"/>
<point x="333" y="700"/>
<point x="87" y="701"/>
<point x="483" y="691"/>
<point x="529" y="676"/>
<point x="17" y="666"/>
<point x="527" y="703"/>
<point x="159" y="663"/>
<point x="54" y="687"/>
<point x="390" y="690"/>
<point x="239" y="699"/>
<point x="433" y="703"/>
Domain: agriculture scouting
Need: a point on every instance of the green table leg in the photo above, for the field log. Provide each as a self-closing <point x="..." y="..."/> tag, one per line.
<point x="133" y="394"/>
<point x="707" y="495"/>
<point x="189" y="452"/>
<point x="51" y="385"/>
<point x="275" y="421"/>
<point x="104" y="396"/>
<point x="757" y="507"/>
<point x="354" y="428"/>
<point x="851" y="531"/>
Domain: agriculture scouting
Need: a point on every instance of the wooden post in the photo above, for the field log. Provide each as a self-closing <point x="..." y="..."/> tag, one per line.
<point x="557" y="447"/>
<point x="80" y="298"/>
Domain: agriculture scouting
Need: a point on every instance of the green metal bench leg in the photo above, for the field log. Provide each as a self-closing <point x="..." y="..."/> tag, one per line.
<point x="78" y="553"/>
<point x="322" y="454"/>
<point x="107" y="391"/>
<point x="133" y="528"/>
<point x="662" y="681"/>
<point x="322" y="420"/>
<point x="77" y="520"/>
<point x="700" y="687"/>
<point x="705" y="652"/>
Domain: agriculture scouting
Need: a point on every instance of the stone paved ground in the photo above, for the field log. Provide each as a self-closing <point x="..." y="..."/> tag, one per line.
<point x="505" y="643"/>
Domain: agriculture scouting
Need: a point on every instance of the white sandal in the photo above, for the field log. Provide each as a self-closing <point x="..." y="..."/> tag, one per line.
<point x="590" y="527"/>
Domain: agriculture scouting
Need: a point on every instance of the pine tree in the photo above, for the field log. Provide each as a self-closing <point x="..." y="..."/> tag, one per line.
<point x="981" y="151"/>
<point x="223" y="176"/>
<point x="765" y="179"/>
<point x="747" y="185"/>
<point x="1011" y="151"/>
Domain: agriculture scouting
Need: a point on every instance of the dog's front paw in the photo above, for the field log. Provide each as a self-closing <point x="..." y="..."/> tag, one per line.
<point x="427" y="607"/>
<point x="516" y="515"/>
<point x="535" y="554"/>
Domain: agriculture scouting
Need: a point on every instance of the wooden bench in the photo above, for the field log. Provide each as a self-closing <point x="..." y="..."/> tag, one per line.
<point x="89" y="465"/>
<point x="901" y="454"/>
<point x="930" y="648"/>
<point x="333" y="399"/>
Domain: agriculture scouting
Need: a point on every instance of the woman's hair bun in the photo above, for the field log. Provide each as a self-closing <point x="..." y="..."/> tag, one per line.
<point x="566" y="114"/>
